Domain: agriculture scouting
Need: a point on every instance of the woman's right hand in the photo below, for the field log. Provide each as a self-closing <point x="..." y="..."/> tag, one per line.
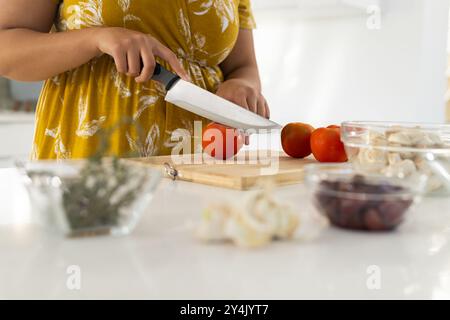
<point x="134" y="52"/>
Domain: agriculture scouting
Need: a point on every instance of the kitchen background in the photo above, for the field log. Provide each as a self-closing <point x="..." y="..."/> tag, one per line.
<point x="322" y="61"/>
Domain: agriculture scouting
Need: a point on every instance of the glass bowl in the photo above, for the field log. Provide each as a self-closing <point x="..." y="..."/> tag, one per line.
<point x="400" y="150"/>
<point x="362" y="202"/>
<point x="83" y="198"/>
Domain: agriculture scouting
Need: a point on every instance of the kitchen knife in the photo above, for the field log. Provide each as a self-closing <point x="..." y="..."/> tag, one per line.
<point x="206" y="104"/>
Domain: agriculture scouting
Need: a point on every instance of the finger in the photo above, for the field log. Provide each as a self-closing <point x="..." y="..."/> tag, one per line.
<point x="134" y="62"/>
<point x="222" y="94"/>
<point x="267" y="109"/>
<point x="149" y="63"/>
<point x="226" y="95"/>
<point x="241" y="102"/>
<point x="167" y="54"/>
<point x="262" y="107"/>
<point x="120" y="59"/>
<point x="252" y="102"/>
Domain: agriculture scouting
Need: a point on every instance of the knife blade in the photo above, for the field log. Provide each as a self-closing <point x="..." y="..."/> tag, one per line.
<point x="208" y="105"/>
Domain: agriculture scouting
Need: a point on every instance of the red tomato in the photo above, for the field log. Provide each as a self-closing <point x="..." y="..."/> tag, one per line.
<point x="295" y="139"/>
<point x="221" y="142"/>
<point x="326" y="145"/>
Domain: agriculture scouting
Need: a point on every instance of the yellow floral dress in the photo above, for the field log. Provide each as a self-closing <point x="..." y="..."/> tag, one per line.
<point x="75" y="105"/>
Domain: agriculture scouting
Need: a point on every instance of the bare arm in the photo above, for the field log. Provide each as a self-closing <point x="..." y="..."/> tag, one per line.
<point x="30" y="53"/>
<point x="241" y="63"/>
<point x="242" y="83"/>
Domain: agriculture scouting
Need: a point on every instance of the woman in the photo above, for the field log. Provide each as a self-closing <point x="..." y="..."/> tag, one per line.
<point x="100" y="61"/>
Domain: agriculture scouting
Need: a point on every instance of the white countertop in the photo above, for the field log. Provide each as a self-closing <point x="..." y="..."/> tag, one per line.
<point x="12" y="118"/>
<point x="162" y="260"/>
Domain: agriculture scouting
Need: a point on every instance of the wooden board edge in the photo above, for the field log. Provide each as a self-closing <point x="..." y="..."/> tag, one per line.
<point x="285" y="179"/>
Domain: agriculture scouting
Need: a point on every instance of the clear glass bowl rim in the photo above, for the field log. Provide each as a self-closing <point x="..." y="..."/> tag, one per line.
<point x="53" y="168"/>
<point x="314" y="175"/>
<point x="347" y="126"/>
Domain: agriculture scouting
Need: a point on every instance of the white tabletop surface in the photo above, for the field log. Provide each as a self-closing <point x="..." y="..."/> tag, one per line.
<point x="16" y="117"/>
<point x="162" y="259"/>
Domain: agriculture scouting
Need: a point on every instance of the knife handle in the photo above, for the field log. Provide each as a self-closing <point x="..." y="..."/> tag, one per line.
<point x="164" y="76"/>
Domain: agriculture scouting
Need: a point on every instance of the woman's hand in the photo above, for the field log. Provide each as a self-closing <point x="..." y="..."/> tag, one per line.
<point x="134" y="52"/>
<point x="244" y="94"/>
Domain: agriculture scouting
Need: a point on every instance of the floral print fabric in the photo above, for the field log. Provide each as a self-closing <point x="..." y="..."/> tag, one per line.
<point x="75" y="105"/>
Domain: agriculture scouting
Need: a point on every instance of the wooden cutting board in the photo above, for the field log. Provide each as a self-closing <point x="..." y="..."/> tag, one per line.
<point x="250" y="169"/>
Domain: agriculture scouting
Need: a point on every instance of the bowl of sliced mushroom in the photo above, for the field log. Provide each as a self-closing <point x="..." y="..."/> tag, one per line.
<point x="401" y="150"/>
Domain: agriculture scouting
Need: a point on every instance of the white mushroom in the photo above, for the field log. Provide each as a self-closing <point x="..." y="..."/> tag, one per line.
<point x="400" y="169"/>
<point x="376" y="139"/>
<point x="414" y="137"/>
<point x="254" y="223"/>
<point x="433" y="183"/>
<point x="429" y="140"/>
<point x="214" y="219"/>
<point x="403" y="164"/>
<point x="372" y="160"/>
<point x="288" y="222"/>
<point x="400" y="138"/>
<point x="246" y="230"/>
<point x="283" y="220"/>
<point x="394" y="158"/>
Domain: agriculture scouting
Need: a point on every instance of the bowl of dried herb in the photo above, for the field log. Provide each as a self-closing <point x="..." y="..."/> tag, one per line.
<point x="98" y="196"/>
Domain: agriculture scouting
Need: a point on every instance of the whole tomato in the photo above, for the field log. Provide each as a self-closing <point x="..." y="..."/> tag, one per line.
<point x="295" y="139"/>
<point x="221" y="142"/>
<point x="326" y="145"/>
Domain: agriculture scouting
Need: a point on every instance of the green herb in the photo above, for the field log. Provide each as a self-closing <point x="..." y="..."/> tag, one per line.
<point x="105" y="186"/>
<point x="96" y="198"/>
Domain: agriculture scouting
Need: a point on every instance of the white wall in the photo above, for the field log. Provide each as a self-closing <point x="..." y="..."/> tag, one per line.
<point x="329" y="70"/>
<point x="16" y="137"/>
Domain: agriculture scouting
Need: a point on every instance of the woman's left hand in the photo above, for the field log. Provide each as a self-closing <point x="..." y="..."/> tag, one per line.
<point x="244" y="94"/>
